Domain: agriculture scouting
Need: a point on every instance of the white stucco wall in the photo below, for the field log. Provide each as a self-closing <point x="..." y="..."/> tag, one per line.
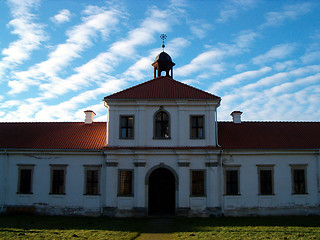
<point x="143" y="112"/>
<point x="73" y="202"/>
<point x="283" y="202"/>
<point x="249" y="202"/>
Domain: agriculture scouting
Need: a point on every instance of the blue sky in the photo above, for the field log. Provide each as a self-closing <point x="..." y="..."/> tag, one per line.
<point x="61" y="57"/>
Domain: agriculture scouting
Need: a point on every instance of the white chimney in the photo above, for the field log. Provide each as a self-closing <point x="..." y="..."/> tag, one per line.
<point x="236" y="116"/>
<point x="89" y="116"/>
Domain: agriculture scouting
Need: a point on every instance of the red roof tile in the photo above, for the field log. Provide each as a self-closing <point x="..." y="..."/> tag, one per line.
<point x="162" y="88"/>
<point x="269" y="135"/>
<point x="59" y="135"/>
<point x="77" y="135"/>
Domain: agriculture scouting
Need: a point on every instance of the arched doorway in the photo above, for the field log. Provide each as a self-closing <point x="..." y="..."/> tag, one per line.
<point x="162" y="188"/>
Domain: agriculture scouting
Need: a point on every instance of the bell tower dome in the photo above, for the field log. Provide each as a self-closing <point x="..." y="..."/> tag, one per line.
<point x="162" y="63"/>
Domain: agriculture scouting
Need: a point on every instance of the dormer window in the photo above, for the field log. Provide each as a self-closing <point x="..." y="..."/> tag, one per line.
<point x="161" y="125"/>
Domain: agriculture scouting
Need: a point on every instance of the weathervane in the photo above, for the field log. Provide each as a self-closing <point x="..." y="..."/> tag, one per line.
<point x="163" y="37"/>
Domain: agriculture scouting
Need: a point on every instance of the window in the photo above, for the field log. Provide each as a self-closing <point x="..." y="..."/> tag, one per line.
<point x="126" y="127"/>
<point x="58" y="175"/>
<point x="162" y="125"/>
<point x="125" y="186"/>
<point x="92" y="175"/>
<point x="197" y="186"/>
<point x="299" y="179"/>
<point x="265" y="180"/>
<point x="232" y="182"/>
<point x="25" y="179"/>
<point x="197" y="127"/>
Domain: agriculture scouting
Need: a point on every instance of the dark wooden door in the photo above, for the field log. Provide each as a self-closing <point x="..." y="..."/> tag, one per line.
<point x="162" y="192"/>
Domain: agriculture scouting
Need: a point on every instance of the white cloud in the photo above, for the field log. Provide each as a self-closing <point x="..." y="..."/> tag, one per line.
<point x="289" y="12"/>
<point x="97" y="68"/>
<point x="312" y="53"/>
<point x="80" y="38"/>
<point x="280" y="51"/>
<point x="280" y="66"/>
<point x="283" y="96"/>
<point x="231" y="9"/>
<point x="200" y="28"/>
<point x="238" y="78"/>
<point x="211" y="60"/>
<point x="30" y="35"/>
<point x="62" y="17"/>
<point x="204" y="60"/>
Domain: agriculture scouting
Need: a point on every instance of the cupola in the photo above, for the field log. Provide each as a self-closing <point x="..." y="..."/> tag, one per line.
<point x="163" y="62"/>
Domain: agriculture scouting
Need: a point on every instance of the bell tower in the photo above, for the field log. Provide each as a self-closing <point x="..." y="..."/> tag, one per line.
<point x="163" y="62"/>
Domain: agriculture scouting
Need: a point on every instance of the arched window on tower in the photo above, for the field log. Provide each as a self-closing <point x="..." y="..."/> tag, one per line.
<point x="161" y="125"/>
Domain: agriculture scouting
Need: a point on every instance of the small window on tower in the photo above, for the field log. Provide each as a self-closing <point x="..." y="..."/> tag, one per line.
<point x="161" y="125"/>
<point x="126" y="127"/>
<point x="197" y="127"/>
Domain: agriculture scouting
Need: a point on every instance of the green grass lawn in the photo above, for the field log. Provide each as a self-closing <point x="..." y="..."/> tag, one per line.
<point x="249" y="228"/>
<point x="48" y="227"/>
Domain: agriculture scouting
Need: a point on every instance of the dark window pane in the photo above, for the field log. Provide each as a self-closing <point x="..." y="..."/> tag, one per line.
<point x="266" y="182"/>
<point x="299" y="186"/>
<point x="232" y="182"/>
<point x="162" y="125"/>
<point x="197" y="183"/>
<point x="125" y="183"/>
<point x="130" y="122"/>
<point x="92" y="184"/>
<point x="58" y="181"/>
<point x="126" y="129"/>
<point x="25" y="181"/>
<point x="197" y="129"/>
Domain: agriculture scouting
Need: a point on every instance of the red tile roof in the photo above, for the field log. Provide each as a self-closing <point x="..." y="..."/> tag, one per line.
<point x="77" y="135"/>
<point x="162" y="88"/>
<point x="58" y="135"/>
<point x="269" y="135"/>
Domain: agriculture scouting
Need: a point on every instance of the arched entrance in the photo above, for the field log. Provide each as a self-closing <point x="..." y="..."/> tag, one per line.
<point x="161" y="192"/>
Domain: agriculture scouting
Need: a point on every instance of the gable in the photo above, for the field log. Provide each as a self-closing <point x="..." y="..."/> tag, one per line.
<point x="162" y="88"/>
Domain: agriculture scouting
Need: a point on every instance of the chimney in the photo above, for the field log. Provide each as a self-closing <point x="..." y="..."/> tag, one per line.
<point x="89" y="116"/>
<point x="236" y="116"/>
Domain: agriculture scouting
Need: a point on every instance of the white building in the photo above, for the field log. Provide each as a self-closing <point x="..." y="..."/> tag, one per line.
<point x="161" y="151"/>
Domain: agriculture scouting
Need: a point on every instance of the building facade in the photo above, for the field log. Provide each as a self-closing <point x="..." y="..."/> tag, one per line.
<point x="160" y="152"/>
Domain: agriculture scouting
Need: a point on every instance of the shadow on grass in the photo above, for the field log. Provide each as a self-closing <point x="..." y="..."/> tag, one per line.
<point x="201" y="224"/>
<point x="148" y="225"/>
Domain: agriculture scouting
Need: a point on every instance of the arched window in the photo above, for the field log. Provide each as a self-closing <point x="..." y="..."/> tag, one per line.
<point x="162" y="125"/>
